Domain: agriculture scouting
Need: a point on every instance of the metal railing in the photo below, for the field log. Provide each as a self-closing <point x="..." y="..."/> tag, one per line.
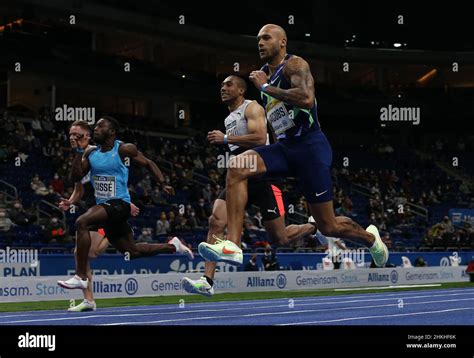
<point x="362" y="189"/>
<point x="8" y="186"/>
<point x="48" y="214"/>
<point x="202" y="179"/>
<point x="197" y="178"/>
<point x="366" y="191"/>
<point x="168" y="165"/>
<point x="418" y="210"/>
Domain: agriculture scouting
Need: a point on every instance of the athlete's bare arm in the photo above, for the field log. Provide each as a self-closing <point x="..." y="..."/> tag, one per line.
<point x="131" y="151"/>
<point x="76" y="196"/>
<point x="256" y="126"/>
<point x="301" y="93"/>
<point x="81" y="165"/>
<point x="78" y="192"/>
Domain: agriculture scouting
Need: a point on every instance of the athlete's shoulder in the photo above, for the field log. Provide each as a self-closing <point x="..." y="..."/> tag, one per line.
<point x="89" y="150"/>
<point x="296" y="63"/>
<point x="127" y="148"/>
<point x="253" y="109"/>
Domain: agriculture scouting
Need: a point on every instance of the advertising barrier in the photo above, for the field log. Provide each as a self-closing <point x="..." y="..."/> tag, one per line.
<point x="31" y="288"/>
<point x="55" y="264"/>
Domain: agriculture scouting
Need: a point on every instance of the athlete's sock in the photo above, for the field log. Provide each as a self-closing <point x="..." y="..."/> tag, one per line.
<point x="176" y="245"/>
<point x="373" y="245"/>
<point x="209" y="280"/>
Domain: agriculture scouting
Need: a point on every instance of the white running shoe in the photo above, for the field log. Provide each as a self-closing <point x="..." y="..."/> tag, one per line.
<point x="84" y="306"/>
<point x="221" y="250"/>
<point x="379" y="250"/>
<point x="200" y="286"/>
<point x="74" y="282"/>
<point x="181" y="248"/>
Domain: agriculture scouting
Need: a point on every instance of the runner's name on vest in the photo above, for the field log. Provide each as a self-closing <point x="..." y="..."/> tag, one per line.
<point x="104" y="186"/>
<point x="279" y="118"/>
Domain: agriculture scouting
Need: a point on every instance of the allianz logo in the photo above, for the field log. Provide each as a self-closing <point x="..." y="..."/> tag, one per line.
<point x="382" y="277"/>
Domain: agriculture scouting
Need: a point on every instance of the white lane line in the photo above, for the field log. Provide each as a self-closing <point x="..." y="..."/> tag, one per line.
<point x="263" y="302"/>
<point x="178" y="311"/>
<point x="375" y="317"/>
<point x="283" y="313"/>
<point x="386" y="287"/>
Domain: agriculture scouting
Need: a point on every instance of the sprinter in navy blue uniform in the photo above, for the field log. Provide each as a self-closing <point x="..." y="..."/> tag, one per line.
<point x="302" y="150"/>
<point x="109" y="176"/>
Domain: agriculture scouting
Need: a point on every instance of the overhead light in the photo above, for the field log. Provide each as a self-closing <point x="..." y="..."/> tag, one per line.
<point x="307" y="35"/>
<point x="397" y="44"/>
<point x="372" y="42"/>
<point x="427" y="76"/>
<point x="183" y="76"/>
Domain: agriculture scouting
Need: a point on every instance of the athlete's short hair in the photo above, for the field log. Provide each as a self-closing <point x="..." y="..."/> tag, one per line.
<point x="82" y="124"/>
<point x="114" y="124"/>
<point x="240" y="82"/>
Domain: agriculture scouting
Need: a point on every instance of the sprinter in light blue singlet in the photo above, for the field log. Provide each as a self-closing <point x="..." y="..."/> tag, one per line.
<point x="302" y="151"/>
<point x="109" y="175"/>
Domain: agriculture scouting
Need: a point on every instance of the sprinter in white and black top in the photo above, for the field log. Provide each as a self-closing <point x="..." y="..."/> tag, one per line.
<point x="246" y="127"/>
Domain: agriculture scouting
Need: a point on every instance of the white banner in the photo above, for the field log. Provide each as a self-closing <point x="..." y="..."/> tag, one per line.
<point x="45" y="288"/>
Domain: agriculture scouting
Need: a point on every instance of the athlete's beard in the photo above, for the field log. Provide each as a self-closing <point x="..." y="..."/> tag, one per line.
<point x="275" y="56"/>
<point x="99" y="139"/>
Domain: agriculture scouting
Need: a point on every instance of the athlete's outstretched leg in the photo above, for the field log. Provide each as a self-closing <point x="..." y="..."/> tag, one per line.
<point x="217" y="225"/>
<point x="294" y="232"/>
<point x="122" y="240"/>
<point x="236" y="187"/>
<point x="347" y="229"/>
<point x="241" y="167"/>
<point x="87" y="221"/>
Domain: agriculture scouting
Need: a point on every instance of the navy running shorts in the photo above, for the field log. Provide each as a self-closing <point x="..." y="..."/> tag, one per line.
<point x="308" y="158"/>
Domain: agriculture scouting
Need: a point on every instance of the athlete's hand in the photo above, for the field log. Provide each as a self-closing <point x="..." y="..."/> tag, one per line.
<point x="64" y="204"/>
<point x="134" y="210"/>
<point x="168" y="190"/>
<point x="258" y="78"/>
<point x="215" y="137"/>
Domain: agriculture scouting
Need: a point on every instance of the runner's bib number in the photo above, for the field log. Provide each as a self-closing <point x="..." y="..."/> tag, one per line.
<point x="104" y="186"/>
<point x="279" y="118"/>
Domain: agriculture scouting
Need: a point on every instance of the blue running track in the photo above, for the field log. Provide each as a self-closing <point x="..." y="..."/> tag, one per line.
<point x="421" y="307"/>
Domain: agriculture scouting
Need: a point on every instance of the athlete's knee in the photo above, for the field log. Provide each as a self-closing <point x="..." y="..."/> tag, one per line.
<point x="82" y="223"/>
<point x="235" y="175"/>
<point x="93" y="254"/>
<point x="216" y="225"/>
